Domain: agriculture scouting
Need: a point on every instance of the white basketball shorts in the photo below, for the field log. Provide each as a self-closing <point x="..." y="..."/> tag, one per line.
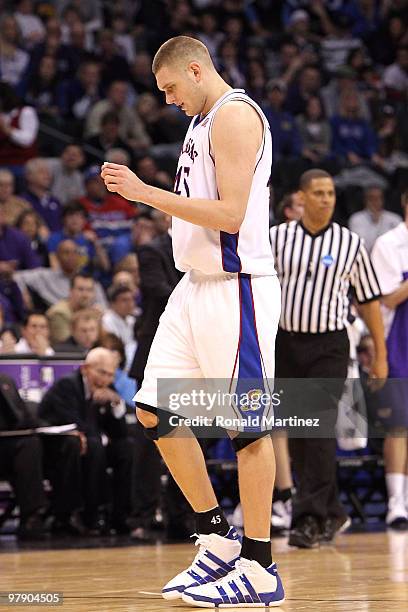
<point x="215" y="327"/>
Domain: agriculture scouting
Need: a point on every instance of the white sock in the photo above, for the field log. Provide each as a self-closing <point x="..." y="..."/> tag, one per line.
<point x="396" y="486"/>
<point x="260" y="539"/>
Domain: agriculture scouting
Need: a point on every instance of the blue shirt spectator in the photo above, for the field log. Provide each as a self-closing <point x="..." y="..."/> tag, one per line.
<point x="121" y="247"/>
<point x="93" y="257"/>
<point x="125" y="386"/>
<point x="86" y="248"/>
<point x="15" y="247"/>
<point x="353" y="138"/>
<point x="285" y="135"/>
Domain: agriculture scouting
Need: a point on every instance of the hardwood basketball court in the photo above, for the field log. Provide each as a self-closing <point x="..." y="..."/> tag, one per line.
<point x="365" y="572"/>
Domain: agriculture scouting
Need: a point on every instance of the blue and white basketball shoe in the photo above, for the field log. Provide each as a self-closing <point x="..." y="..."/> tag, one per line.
<point x="215" y="559"/>
<point x="249" y="586"/>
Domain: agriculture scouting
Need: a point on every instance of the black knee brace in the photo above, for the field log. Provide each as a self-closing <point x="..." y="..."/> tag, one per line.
<point x="238" y="443"/>
<point x="163" y="427"/>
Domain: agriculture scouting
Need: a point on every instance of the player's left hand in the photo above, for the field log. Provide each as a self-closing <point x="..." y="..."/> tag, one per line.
<point x="120" y="179"/>
<point x="378" y="373"/>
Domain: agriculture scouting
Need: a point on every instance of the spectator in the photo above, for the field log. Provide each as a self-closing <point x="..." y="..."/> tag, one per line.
<point x="118" y="156"/>
<point x="84" y="332"/>
<point x="120" y="320"/>
<point x="357" y="60"/>
<point x="290" y="207"/>
<point x="11" y="298"/>
<point x="90" y="14"/>
<point x="67" y="182"/>
<point x="345" y="80"/>
<point x="299" y="29"/>
<point x="338" y="40"/>
<point x="18" y="130"/>
<point x="304" y="88"/>
<point x="88" y="399"/>
<point x="30" y="224"/>
<point x="35" y="336"/>
<point x="16" y="253"/>
<point x="8" y="338"/>
<point x="81" y="295"/>
<point x="123" y="40"/>
<point x="373" y="221"/>
<point x="113" y="60"/>
<point x="163" y="125"/>
<point x="92" y="253"/>
<point x="158" y="277"/>
<point x="125" y="386"/>
<point x="42" y="88"/>
<point x="31" y="27"/>
<point x="14" y="61"/>
<point x="314" y="131"/>
<point x="365" y="17"/>
<point x="129" y="264"/>
<point x="79" y="40"/>
<point x="209" y="31"/>
<point x="391" y="156"/>
<point x="143" y="231"/>
<point x="11" y="205"/>
<point x="256" y="80"/>
<point x="38" y="194"/>
<point x="79" y="94"/>
<point x="148" y="171"/>
<point x="53" y="47"/>
<point x="125" y="279"/>
<point x="354" y="140"/>
<point x="289" y="62"/>
<point x="131" y="129"/>
<point x="286" y="140"/>
<point x="142" y="78"/>
<point x="47" y="286"/>
<point x="108" y="138"/>
<point x="395" y="77"/>
<point x="110" y="215"/>
<point x="383" y="46"/>
<point x="20" y="461"/>
<point x="230" y="65"/>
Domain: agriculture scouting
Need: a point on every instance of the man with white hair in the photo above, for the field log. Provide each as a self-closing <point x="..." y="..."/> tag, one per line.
<point x="88" y="399"/>
<point x="38" y="194"/>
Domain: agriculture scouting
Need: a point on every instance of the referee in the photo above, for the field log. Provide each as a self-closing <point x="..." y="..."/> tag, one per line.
<point x="317" y="260"/>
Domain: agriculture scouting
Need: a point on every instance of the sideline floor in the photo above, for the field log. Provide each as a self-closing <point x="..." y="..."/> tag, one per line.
<point x="365" y="572"/>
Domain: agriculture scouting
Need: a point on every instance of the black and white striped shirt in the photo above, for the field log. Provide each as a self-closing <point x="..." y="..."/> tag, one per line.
<point x="316" y="271"/>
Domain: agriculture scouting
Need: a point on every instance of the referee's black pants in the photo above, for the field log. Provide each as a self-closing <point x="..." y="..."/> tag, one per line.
<point x="318" y="356"/>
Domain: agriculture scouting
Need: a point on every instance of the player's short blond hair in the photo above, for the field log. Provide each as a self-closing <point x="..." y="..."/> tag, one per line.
<point x="181" y="49"/>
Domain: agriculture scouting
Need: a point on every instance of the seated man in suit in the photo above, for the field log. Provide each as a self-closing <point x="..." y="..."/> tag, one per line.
<point x="88" y="399"/>
<point x="21" y="460"/>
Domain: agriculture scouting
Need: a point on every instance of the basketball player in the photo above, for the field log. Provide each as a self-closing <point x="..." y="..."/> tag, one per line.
<point x="221" y="319"/>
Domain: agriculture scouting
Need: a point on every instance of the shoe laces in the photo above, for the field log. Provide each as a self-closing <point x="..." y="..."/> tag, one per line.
<point x="203" y="541"/>
<point x="242" y="566"/>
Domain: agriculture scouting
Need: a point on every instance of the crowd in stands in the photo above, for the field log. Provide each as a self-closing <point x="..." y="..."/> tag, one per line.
<point x="76" y="89"/>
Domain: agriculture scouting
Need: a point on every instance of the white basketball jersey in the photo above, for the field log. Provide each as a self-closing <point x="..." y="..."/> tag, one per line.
<point x="212" y="251"/>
